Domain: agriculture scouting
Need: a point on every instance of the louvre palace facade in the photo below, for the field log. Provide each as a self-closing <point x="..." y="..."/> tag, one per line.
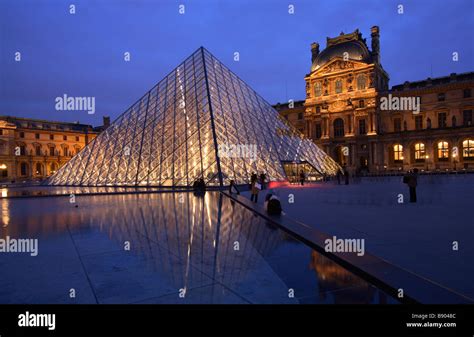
<point x="343" y="112"/>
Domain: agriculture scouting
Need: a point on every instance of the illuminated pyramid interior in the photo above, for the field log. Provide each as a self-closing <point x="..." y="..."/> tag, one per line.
<point x="171" y="136"/>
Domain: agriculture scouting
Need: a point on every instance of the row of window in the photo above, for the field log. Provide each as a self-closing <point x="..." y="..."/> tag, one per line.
<point x="442" y="121"/>
<point x="51" y="151"/>
<point x="442" y="151"/>
<point x="37" y="136"/>
<point x="361" y="104"/>
<point x="338" y="124"/>
<point x="339" y="128"/>
<point x="38" y="169"/>
<point x="29" y="125"/>
<point x="466" y="94"/>
<point x="338" y="86"/>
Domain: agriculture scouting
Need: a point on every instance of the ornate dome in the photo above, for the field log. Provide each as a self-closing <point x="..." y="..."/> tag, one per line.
<point x="336" y="47"/>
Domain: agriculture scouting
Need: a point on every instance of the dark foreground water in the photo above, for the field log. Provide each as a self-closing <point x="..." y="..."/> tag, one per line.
<point x="162" y="248"/>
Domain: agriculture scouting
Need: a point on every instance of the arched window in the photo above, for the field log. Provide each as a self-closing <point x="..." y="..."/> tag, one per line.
<point x="428" y="123"/>
<point x="468" y="149"/>
<point x="317" y="89"/>
<point x="24" y="169"/>
<point x="338" y="127"/>
<point x="443" y="151"/>
<point x="53" y="168"/>
<point x="361" y="82"/>
<point x="39" y="169"/>
<point x="453" y="121"/>
<point x="398" y="153"/>
<point x="420" y="152"/>
<point x="338" y="86"/>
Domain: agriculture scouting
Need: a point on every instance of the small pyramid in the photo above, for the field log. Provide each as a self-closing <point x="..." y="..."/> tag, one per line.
<point x="201" y="120"/>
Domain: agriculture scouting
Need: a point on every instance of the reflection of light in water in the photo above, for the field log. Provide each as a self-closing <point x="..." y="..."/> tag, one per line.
<point x="207" y="202"/>
<point x="188" y="258"/>
<point x="5" y="212"/>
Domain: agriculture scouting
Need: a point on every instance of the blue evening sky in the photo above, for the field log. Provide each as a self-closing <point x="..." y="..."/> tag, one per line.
<point x="82" y="54"/>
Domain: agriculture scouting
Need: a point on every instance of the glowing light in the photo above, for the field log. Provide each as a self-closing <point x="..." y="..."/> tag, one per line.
<point x="3" y="167"/>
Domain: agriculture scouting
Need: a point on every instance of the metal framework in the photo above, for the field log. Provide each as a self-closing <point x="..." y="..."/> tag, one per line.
<point x="175" y="134"/>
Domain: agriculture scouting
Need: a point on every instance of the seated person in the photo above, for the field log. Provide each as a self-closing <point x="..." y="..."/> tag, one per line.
<point x="273" y="205"/>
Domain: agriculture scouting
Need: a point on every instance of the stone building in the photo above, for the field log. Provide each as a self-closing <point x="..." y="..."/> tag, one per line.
<point x="32" y="149"/>
<point x="347" y="114"/>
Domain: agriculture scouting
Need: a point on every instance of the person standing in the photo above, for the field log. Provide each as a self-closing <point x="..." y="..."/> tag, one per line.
<point x="346" y="175"/>
<point x="338" y="175"/>
<point x="302" y="178"/>
<point x="263" y="178"/>
<point x="412" y="181"/>
<point x="255" y="188"/>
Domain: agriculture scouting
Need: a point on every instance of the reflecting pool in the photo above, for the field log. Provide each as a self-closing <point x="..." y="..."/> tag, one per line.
<point x="163" y="248"/>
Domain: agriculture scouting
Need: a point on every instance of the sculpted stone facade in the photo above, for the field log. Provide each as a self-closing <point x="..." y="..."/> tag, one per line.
<point x="344" y="115"/>
<point x="33" y="149"/>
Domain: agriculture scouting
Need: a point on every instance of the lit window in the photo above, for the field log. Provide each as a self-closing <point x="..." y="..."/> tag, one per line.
<point x="398" y="153"/>
<point x="317" y="89"/>
<point x="361" y="82"/>
<point x="468" y="149"/>
<point x="443" y="151"/>
<point x="338" y="86"/>
<point x="420" y="153"/>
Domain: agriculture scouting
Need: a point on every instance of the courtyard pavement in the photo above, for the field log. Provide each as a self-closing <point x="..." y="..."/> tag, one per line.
<point x="418" y="237"/>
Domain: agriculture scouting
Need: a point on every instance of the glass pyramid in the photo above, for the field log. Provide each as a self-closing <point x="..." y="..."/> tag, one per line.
<point x="201" y="120"/>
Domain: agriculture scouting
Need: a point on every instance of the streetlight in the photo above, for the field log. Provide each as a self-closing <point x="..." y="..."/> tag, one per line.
<point x="426" y="160"/>
<point x="455" y="157"/>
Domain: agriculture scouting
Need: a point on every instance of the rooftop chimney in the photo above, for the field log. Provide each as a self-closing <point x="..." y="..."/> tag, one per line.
<point x="106" y="121"/>
<point x="375" y="34"/>
<point x="314" y="51"/>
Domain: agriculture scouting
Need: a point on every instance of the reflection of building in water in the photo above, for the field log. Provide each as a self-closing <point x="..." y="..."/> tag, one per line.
<point x="183" y="239"/>
<point x="332" y="276"/>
